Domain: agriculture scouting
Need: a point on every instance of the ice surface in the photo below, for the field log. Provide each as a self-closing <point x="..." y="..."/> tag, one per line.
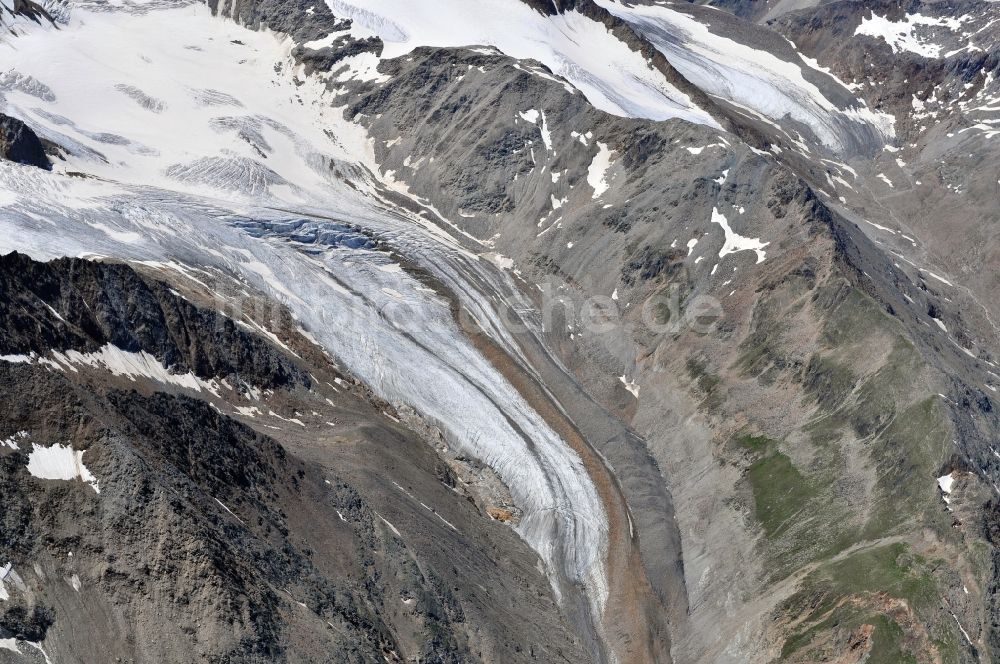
<point x="228" y="125"/>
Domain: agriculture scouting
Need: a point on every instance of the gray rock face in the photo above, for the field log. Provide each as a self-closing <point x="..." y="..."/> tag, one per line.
<point x="28" y="9"/>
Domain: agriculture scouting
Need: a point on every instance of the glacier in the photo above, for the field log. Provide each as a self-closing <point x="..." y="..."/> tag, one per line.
<point x="264" y="180"/>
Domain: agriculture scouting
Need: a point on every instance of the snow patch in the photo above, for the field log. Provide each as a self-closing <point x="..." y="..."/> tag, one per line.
<point x="4" y="572"/>
<point x="945" y="483"/>
<point x="131" y="365"/>
<point x="735" y="242"/>
<point x="501" y="261"/>
<point x="12" y="441"/>
<point x="597" y="172"/>
<point x="631" y="386"/>
<point x="15" y="359"/>
<point x="901" y="35"/>
<point x="532" y="116"/>
<point x="60" y="462"/>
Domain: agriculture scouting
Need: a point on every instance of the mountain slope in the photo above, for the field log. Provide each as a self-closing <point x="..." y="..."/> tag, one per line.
<point x="200" y="515"/>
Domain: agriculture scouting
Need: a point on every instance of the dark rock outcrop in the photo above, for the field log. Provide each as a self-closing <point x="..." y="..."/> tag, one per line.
<point x="82" y="305"/>
<point x="20" y="144"/>
<point x="29" y="9"/>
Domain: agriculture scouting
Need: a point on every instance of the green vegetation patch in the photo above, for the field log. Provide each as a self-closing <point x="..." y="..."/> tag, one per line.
<point x="780" y="492"/>
<point x="755" y="444"/>
<point x="851" y="317"/>
<point x="708" y="383"/>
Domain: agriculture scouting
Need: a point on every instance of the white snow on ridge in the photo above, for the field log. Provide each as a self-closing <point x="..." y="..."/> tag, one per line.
<point x="612" y="76"/>
<point x="60" y="462"/>
<point x="750" y="77"/>
<point x="356" y="31"/>
<point x="130" y="365"/>
<point x="135" y="365"/>
<point x="901" y="35"/>
<point x="323" y="42"/>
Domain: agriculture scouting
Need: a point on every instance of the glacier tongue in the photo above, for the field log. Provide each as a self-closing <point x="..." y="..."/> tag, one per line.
<point x="754" y="78"/>
<point x="385" y="327"/>
<point x="185" y="203"/>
